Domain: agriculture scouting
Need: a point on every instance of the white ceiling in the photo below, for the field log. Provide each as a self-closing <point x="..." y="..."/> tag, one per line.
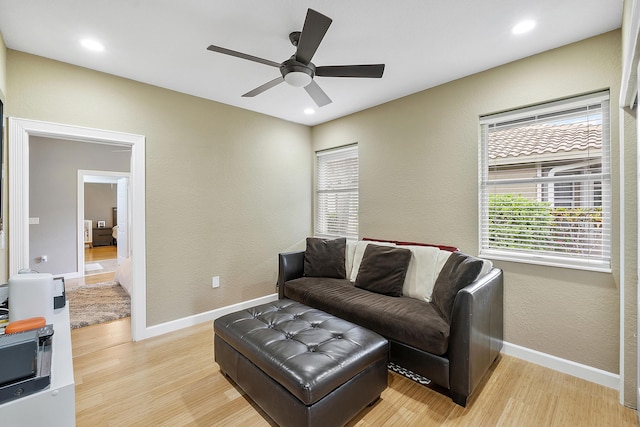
<point x="423" y="43"/>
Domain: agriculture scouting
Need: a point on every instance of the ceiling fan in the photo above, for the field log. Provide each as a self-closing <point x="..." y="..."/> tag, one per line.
<point x="298" y="70"/>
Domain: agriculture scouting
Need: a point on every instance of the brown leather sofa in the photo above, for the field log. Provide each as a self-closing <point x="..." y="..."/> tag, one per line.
<point x="454" y="352"/>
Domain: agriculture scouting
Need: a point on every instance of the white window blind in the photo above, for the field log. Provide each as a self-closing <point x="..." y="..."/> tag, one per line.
<point x="336" y="207"/>
<point x="545" y="194"/>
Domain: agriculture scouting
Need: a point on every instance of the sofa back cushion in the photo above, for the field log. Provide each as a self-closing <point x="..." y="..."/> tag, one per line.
<point x="325" y="258"/>
<point x="383" y="269"/>
<point x="459" y="271"/>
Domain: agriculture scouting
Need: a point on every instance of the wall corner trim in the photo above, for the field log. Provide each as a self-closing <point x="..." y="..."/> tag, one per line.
<point x="565" y="366"/>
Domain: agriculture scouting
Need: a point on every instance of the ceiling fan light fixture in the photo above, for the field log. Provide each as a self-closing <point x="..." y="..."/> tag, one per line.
<point x="298" y="78"/>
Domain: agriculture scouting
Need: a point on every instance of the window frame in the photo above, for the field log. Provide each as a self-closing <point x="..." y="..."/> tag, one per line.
<point x="542" y="256"/>
<point x="320" y="227"/>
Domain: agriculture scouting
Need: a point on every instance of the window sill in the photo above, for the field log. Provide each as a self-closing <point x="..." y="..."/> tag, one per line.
<point x="545" y="260"/>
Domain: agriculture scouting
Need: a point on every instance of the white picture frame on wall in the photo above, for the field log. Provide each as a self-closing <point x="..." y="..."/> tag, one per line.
<point x="102" y="224"/>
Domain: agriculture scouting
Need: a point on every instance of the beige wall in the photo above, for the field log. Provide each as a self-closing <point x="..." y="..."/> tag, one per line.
<point x="227" y="189"/>
<point x="419" y="182"/>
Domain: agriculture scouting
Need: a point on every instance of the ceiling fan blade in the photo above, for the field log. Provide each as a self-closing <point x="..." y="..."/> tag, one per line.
<point x="317" y="94"/>
<point x="264" y="87"/>
<point x="313" y="31"/>
<point x="370" y="71"/>
<point x="243" y="55"/>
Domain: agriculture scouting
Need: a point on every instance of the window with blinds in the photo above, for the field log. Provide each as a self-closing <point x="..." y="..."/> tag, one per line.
<point x="545" y="194"/>
<point x="336" y="204"/>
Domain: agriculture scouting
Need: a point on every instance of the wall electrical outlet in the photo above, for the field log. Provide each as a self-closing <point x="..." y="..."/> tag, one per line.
<point x="215" y="282"/>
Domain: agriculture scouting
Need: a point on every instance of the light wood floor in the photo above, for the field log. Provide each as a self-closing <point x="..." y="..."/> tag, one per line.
<point x="172" y="380"/>
<point x="98" y="253"/>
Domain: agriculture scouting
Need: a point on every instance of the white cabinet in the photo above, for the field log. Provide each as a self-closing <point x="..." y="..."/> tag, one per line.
<point x="54" y="406"/>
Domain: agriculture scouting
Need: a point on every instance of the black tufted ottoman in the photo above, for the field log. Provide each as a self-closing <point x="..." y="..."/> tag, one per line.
<point x="302" y="366"/>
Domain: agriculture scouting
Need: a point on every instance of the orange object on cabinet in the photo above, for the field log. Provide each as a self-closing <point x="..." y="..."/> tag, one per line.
<point x="25" y="325"/>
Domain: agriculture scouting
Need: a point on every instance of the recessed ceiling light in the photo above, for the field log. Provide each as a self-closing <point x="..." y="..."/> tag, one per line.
<point x="309" y="111"/>
<point x="523" y="27"/>
<point x="92" y="45"/>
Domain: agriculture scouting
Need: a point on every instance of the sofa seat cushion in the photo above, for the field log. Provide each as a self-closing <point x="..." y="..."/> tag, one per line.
<point x="403" y="319"/>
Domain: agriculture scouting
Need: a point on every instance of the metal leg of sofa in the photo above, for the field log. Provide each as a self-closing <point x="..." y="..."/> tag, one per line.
<point x="459" y="398"/>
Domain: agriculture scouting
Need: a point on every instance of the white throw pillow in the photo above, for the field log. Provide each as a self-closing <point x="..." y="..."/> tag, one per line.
<point x="350" y="251"/>
<point x="359" y="253"/>
<point x="486" y="268"/>
<point x="421" y="273"/>
<point x="443" y="256"/>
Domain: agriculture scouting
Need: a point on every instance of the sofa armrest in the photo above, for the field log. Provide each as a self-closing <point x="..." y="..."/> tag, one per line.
<point x="290" y="266"/>
<point x="476" y="335"/>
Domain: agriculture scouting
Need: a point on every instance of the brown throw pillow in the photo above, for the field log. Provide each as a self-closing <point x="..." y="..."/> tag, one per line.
<point x="325" y="258"/>
<point x="459" y="271"/>
<point x="383" y="269"/>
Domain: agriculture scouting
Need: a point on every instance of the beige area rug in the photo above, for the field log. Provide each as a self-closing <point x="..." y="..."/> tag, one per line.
<point x="100" y="267"/>
<point x="99" y="303"/>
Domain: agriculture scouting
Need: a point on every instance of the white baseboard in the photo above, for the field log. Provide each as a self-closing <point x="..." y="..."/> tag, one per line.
<point x="565" y="366"/>
<point x="207" y="316"/>
<point x="68" y="276"/>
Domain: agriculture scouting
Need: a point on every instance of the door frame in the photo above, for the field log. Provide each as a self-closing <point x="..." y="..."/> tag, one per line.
<point x="20" y="131"/>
